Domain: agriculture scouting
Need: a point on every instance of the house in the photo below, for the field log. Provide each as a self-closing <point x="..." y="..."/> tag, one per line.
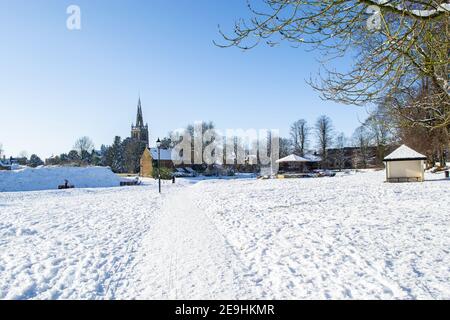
<point x="4" y="166"/>
<point x="12" y="163"/>
<point x="149" y="160"/>
<point x="165" y="157"/>
<point x="146" y="164"/>
<point x="405" y="165"/>
<point x="353" y="157"/>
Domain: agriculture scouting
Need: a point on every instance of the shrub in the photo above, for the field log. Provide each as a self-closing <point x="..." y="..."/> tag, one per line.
<point x="166" y="173"/>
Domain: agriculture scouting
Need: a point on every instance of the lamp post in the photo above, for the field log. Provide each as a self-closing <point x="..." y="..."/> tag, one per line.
<point x="158" y="144"/>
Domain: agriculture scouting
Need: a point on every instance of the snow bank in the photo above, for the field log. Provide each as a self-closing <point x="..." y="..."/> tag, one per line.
<point x="47" y="178"/>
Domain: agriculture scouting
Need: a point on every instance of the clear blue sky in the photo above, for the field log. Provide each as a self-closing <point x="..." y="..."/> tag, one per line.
<point x="57" y="85"/>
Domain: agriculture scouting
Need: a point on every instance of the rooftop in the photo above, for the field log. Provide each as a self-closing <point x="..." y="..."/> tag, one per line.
<point x="405" y="153"/>
<point x="295" y="158"/>
<point x="166" y="154"/>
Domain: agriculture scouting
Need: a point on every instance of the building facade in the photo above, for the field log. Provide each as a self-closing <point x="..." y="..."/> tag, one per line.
<point x="146" y="164"/>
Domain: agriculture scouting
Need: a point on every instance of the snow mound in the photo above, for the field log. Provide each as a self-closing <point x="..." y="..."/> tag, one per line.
<point x="48" y="178"/>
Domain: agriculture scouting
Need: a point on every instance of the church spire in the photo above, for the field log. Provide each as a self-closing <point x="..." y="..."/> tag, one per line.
<point x="139" y="117"/>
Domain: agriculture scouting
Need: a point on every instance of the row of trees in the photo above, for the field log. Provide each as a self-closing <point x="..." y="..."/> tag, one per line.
<point x="304" y="139"/>
<point x="121" y="156"/>
<point x="400" y="54"/>
<point x="22" y="159"/>
<point x="380" y="133"/>
<point x="322" y="137"/>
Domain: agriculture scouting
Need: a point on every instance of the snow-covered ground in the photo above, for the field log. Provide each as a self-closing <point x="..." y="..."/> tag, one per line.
<point x="49" y="178"/>
<point x="346" y="237"/>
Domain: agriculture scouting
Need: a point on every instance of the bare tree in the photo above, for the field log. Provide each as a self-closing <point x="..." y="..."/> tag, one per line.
<point x="362" y="140"/>
<point x="381" y="130"/>
<point x="324" y="133"/>
<point x="432" y="143"/>
<point x="285" y="147"/>
<point x="300" y="136"/>
<point x="341" y="141"/>
<point x="1" y="150"/>
<point x="23" y="154"/>
<point x="83" y="144"/>
<point x="397" y="43"/>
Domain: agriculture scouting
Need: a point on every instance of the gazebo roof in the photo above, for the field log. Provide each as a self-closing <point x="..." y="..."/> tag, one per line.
<point x="292" y="158"/>
<point x="405" y="153"/>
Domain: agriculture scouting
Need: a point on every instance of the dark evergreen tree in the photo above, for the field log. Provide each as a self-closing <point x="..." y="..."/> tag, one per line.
<point x="74" y="156"/>
<point x="64" y="158"/>
<point x="132" y="152"/>
<point x="104" y="153"/>
<point x="166" y="143"/>
<point x="96" y="158"/>
<point x="86" y="157"/>
<point x="35" y="161"/>
<point x="116" y="156"/>
<point x="53" y="161"/>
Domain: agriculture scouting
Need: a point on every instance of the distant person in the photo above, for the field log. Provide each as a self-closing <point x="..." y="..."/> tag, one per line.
<point x="173" y="179"/>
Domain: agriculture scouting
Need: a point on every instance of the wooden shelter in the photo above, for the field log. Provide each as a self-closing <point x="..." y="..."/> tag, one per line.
<point x="296" y="164"/>
<point x="405" y="165"/>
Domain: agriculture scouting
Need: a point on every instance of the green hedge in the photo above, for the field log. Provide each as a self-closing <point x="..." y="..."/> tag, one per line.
<point x="166" y="173"/>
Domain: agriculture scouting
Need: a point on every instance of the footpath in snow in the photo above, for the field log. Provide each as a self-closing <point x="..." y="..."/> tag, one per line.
<point x="186" y="257"/>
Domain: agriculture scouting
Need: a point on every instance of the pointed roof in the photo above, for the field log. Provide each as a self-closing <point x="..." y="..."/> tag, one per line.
<point x="139" y="117"/>
<point x="405" y="153"/>
<point x="292" y="158"/>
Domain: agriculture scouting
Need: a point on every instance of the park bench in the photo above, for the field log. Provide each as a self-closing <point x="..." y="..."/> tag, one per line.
<point x="409" y="179"/>
<point x="135" y="182"/>
<point x="66" y="185"/>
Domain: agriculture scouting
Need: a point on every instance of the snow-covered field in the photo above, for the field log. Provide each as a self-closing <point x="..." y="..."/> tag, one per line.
<point x="347" y="237"/>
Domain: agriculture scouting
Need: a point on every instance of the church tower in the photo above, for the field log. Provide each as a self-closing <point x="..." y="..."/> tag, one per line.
<point x="139" y="131"/>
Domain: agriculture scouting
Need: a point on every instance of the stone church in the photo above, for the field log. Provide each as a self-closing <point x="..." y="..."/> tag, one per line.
<point x="140" y="131"/>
